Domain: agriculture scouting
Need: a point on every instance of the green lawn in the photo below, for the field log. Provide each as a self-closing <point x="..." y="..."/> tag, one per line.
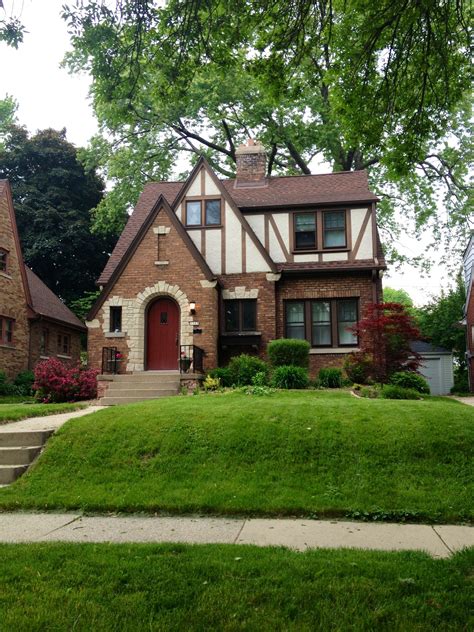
<point x="16" y="410"/>
<point x="177" y="587"/>
<point x="308" y="453"/>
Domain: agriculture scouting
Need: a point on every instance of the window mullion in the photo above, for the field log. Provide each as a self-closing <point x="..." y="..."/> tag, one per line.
<point x="334" y="332"/>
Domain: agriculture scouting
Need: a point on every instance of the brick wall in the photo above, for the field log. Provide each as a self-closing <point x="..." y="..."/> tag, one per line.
<point x="141" y="273"/>
<point x="13" y="359"/>
<point x="359" y="286"/>
<point x="51" y="350"/>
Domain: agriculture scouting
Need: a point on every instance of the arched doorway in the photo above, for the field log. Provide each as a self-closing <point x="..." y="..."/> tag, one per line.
<point x="162" y="335"/>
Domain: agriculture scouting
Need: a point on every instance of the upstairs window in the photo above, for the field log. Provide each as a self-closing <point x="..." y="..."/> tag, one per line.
<point x="305" y="231"/>
<point x="319" y="231"/>
<point x="240" y="315"/>
<point x="6" y="331"/>
<point x="334" y="229"/>
<point x="323" y="323"/>
<point x="3" y="260"/>
<point x="115" y="319"/>
<point x="203" y="213"/>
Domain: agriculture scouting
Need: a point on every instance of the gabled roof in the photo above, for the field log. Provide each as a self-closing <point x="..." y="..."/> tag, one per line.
<point x="45" y="303"/>
<point x="160" y="204"/>
<point x="422" y="346"/>
<point x="344" y="187"/>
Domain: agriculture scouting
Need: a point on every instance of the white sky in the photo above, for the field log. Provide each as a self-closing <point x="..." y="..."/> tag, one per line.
<point x="49" y="97"/>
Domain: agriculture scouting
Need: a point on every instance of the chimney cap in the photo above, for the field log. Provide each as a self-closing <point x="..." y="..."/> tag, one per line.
<point x="252" y="147"/>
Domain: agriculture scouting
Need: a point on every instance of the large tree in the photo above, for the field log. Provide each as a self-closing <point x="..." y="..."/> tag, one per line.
<point x="53" y="196"/>
<point x="354" y="83"/>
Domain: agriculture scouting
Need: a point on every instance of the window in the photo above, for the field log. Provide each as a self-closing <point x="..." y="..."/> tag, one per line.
<point x="334" y="228"/>
<point x="3" y="260"/>
<point x="324" y="323"/>
<point x="6" y="331"/>
<point x="305" y="231"/>
<point x="319" y="230"/>
<point x="44" y="341"/>
<point x="240" y="315"/>
<point x="64" y="344"/>
<point x="203" y="213"/>
<point x="116" y="319"/>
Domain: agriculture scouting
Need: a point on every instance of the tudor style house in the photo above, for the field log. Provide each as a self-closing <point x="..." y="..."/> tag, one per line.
<point x="209" y="268"/>
<point x="34" y="323"/>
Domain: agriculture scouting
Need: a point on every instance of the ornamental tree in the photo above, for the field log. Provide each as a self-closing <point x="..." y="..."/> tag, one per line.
<point x="385" y="334"/>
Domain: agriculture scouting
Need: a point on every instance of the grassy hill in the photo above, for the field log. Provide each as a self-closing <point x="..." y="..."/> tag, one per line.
<point x="308" y="453"/>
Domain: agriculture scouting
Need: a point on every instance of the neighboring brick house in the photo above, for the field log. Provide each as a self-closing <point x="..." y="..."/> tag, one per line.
<point x="469" y="309"/>
<point x="34" y="323"/>
<point x="228" y="265"/>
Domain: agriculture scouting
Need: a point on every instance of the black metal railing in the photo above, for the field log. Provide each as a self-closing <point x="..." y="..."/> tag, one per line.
<point x="110" y="360"/>
<point x="191" y="359"/>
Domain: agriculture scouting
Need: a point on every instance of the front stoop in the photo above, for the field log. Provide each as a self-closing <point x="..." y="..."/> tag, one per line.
<point x="136" y="387"/>
<point x="17" y="451"/>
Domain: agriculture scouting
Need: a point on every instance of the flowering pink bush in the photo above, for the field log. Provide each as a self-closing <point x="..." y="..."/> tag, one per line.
<point x="57" y="382"/>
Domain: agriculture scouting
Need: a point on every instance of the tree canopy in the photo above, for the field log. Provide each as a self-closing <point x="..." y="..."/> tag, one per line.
<point x="53" y="196"/>
<point x="351" y="83"/>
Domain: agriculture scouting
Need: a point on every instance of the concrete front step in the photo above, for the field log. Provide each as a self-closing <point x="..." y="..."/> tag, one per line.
<point x="18" y="456"/>
<point x="148" y="376"/>
<point x="117" y="400"/>
<point x="24" y="439"/>
<point x="9" y="473"/>
<point x="145" y="393"/>
<point x="154" y="384"/>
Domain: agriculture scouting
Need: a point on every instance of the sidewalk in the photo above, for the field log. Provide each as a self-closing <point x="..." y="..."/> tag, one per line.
<point x="47" y="422"/>
<point x="439" y="541"/>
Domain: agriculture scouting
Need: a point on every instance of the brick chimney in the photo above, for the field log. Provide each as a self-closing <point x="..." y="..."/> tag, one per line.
<point x="251" y="162"/>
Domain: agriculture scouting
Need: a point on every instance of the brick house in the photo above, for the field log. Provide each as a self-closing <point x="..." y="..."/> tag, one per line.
<point x="226" y="265"/>
<point x="469" y="309"/>
<point x="34" y="323"/>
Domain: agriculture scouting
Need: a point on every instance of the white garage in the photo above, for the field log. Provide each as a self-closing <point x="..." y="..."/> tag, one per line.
<point x="436" y="366"/>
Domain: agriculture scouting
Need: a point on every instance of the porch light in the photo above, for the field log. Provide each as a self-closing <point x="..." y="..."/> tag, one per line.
<point x="192" y="307"/>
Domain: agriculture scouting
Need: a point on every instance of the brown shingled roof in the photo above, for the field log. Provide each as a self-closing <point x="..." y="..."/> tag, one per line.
<point x="333" y="188"/>
<point x="46" y="303"/>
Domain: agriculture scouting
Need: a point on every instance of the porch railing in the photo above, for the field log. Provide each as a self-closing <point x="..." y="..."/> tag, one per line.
<point x="191" y="359"/>
<point x="110" y="360"/>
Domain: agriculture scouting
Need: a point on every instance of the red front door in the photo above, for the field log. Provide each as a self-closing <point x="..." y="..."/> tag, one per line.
<point x="162" y="335"/>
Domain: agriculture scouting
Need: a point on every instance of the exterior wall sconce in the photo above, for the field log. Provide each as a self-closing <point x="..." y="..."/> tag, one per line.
<point x="192" y="307"/>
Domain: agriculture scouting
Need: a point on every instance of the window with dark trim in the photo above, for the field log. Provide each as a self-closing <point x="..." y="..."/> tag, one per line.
<point x="324" y="323"/>
<point x="203" y="213"/>
<point x="44" y="341"/>
<point x="319" y="230"/>
<point x="116" y="319"/>
<point x="64" y="344"/>
<point x="240" y="315"/>
<point x="6" y="331"/>
<point x="4" y="260"/>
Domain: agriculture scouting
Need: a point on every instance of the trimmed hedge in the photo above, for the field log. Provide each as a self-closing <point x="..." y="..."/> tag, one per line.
<point x="290" y="377"/>
<point x="392" y="391"/>
<point x="243" y="369"/>
<point x="330" y="378"/>
<point x="409" y="379"/>
<point x="286" y="352"/>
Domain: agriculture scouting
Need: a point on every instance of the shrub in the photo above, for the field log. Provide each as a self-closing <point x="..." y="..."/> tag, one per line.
<point x="409" y="379"/>
<point x="359" y="367"/>
<point x="260" y="379"/>
<point x="56" y="382"/>
<point x="24" y="382"/>
<point x="6" y="388"/>
<point x="223" y="374"/>
<point x="393" y="391"/>
<point x="286" y="351"/>
<point x="244" y="367"/>
<point x="290" y="377"/>
<point x="461" y="381"/>
<point x="330" y="378"/>
<point x="211" y="383"/>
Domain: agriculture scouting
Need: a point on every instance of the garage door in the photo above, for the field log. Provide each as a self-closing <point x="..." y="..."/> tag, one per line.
<point x="431" y="370"/>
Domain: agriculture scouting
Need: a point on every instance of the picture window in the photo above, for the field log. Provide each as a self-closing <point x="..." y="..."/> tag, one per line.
<point x="324" y="323"/>
<point x="240" y="315"/>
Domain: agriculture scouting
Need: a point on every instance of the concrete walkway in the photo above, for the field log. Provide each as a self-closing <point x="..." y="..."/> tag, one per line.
<point x="439" y="541"/>
<point x="466" y="400"/>
<point x="48" y="422"/>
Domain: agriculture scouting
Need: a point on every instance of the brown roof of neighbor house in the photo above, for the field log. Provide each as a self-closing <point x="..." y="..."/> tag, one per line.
<point x="46" y="303"/>
<point x="333" y="188"/>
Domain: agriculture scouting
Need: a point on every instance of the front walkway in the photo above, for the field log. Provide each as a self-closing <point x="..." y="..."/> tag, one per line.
<point x="439" y="541"/>
<point x="47" y="422"/>
<point x="466" y="400"/>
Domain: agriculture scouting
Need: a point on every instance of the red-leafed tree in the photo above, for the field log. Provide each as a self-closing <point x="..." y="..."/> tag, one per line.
<point x="385" y="334"/>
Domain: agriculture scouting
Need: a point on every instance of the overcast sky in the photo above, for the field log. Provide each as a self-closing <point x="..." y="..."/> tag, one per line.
<point x="49" y="97"/>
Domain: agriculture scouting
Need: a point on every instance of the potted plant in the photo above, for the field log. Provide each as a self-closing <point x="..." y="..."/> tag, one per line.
<point x="184" y="362"/>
